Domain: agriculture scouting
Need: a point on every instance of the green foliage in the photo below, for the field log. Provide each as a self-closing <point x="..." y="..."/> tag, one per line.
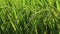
<point x="29" y="16"/>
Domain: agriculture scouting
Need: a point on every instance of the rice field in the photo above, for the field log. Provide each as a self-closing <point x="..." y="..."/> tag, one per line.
<point x="29" y="16"/>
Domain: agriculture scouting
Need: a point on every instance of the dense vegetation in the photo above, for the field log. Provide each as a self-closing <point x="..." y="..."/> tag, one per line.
<point x="29" y="16"/>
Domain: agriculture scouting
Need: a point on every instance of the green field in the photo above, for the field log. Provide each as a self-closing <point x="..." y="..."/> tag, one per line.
<point x="29" y="16"/>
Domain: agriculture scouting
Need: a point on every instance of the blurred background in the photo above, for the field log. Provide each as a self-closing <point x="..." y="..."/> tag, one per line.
<point x="29" y="16"/>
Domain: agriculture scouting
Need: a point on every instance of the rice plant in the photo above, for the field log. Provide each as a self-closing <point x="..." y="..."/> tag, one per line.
<point x="29" y="16"/>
